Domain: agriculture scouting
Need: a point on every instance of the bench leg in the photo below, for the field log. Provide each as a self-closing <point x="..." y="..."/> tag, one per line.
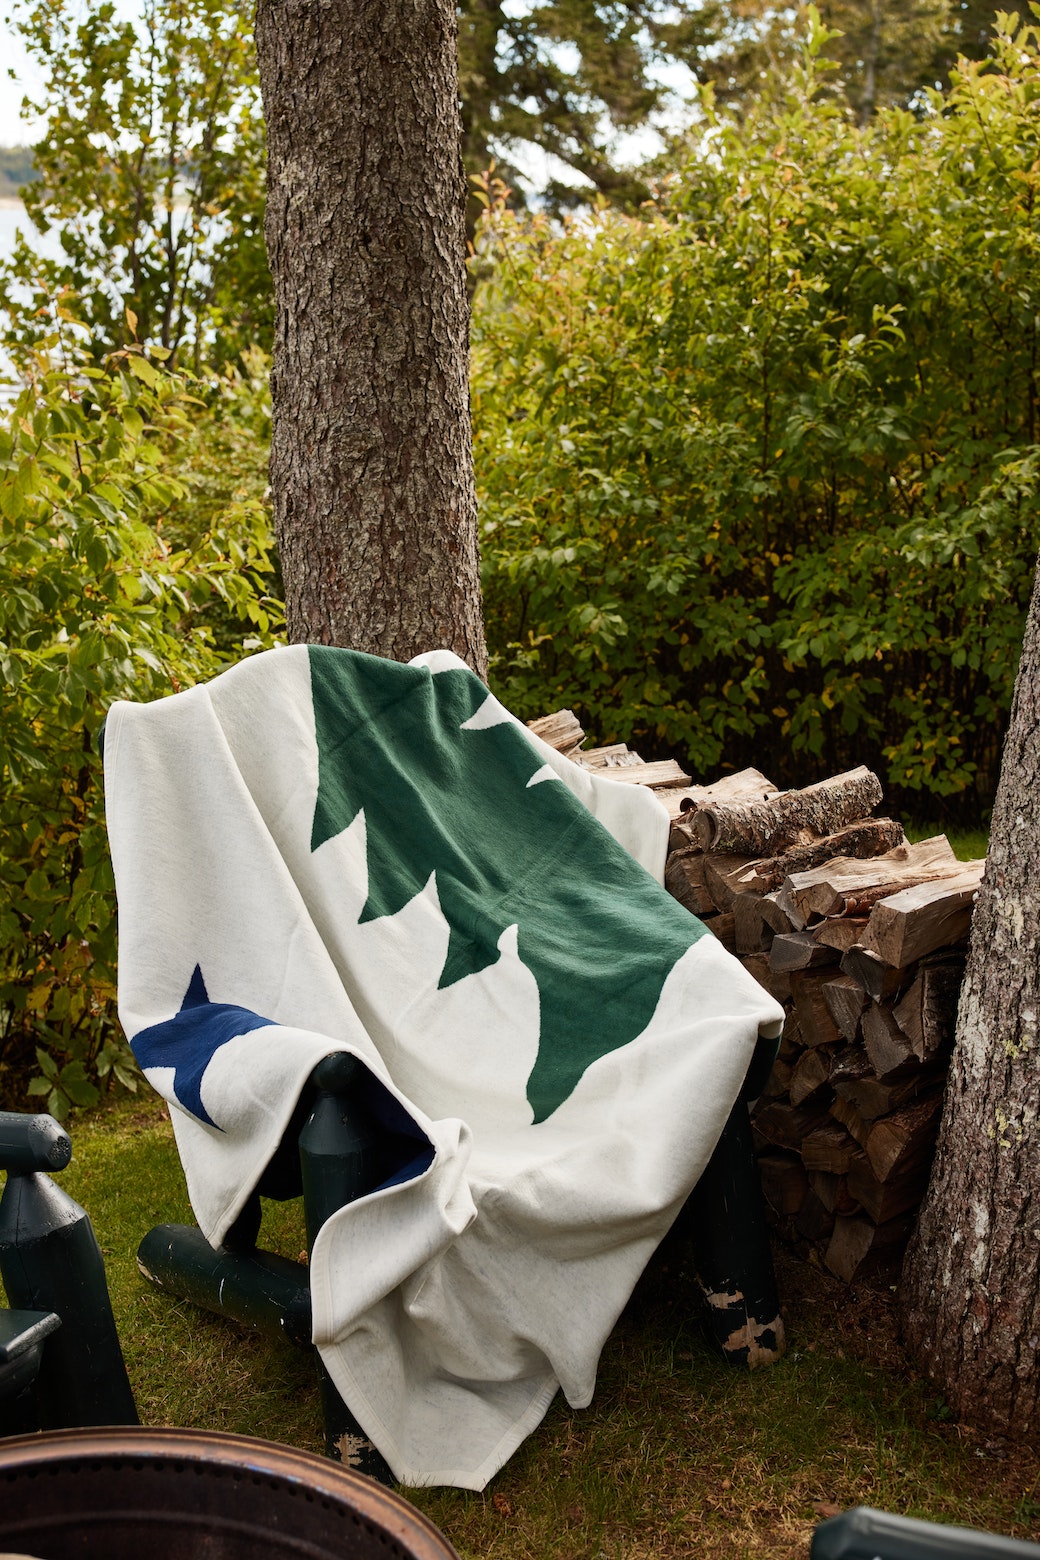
<point x="731" y="1250"/>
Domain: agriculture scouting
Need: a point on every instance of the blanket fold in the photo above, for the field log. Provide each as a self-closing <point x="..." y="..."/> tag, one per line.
<point x="323" y="851"/>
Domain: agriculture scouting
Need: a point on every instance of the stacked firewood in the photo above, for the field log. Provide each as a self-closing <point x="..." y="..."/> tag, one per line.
<point x="861" y="936"/>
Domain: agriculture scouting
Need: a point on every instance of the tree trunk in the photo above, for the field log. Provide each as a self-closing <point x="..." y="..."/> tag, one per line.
<point x="371" y="462"/>
<point x="971" y="1283"/>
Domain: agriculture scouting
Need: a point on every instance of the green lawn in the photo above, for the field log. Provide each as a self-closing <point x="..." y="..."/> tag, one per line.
<point x="679" y="1455"/>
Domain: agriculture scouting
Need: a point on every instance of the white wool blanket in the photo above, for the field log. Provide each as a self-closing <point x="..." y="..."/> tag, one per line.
<point x="323" y="851"/>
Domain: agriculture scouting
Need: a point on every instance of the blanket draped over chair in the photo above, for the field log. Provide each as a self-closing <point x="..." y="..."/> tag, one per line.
<point x="322" y="851"/>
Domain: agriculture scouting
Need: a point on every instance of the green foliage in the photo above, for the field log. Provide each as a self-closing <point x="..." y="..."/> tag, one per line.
<point x="118" y="579"/>
<point x="759" y="469"/>
<point x="151" y="170"/>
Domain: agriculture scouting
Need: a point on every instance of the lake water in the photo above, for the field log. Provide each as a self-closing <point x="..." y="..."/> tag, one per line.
<point x="13" y="218"/>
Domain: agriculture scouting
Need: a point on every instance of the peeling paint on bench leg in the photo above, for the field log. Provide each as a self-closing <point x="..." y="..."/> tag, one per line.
<point x="750" y="1342"/>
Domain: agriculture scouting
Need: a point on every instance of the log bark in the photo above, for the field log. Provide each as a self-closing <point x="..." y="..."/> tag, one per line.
<point x="971" y="1280"/>
<point x="868" y="838"/>
<point x="371" y="461"/>
<point x="747" y="785"/>
<point x="792" y="818"/>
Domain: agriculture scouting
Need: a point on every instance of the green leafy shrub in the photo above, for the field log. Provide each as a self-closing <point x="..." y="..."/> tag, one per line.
<point x="759" y="469"/>
<point x="124" y="573"/>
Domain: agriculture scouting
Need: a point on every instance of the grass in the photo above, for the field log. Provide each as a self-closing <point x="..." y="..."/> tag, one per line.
<point x="967" y="844"/>
<point x="678" y="1456"/>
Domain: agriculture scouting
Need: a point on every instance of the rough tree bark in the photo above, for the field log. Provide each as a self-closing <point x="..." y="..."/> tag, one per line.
<point x="971" y="1282"/>
<point x="371" y="463"/>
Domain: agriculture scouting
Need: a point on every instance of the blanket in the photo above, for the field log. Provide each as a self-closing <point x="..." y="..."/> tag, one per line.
<point x="321" y="851"/>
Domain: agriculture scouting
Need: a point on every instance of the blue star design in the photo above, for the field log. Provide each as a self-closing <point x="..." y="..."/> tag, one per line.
<point x="187" y="1042"/>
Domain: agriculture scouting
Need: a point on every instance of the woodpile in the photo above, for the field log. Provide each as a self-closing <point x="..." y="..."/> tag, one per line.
<point x="861" y="936"/>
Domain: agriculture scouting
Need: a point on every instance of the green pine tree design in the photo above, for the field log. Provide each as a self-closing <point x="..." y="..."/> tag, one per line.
<point x="596" y="931"/>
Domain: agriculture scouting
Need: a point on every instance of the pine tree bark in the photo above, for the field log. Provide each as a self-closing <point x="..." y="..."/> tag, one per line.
<point x="971" y="1281"/>
<point x="371" y="463"/>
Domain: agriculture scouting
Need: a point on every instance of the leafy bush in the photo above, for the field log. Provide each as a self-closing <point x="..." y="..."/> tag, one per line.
<point x="122" y="575"/>
<point x="759" y="469"/>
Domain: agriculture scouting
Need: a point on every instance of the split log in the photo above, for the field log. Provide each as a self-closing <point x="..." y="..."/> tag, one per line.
<point x="562" y="730"/>
<point x="750" y="931"/>
<point x="657" y="777"/>
<point x="722" y="927"/>
<point x="814" y="1016"/>
<point x="840" y="885"/>
<point x="927" y="1014"/>
<point x="885" y="1200"/>
<point x="859" y="1247"/>
<point x="799" y="951"/>
<point x="827" y="1186"/>
<point x="878" y="979"/>
<point x="850" y="1065"/>
<point x="810" y="1074"/>
<point x="840" y="934"/>
<point x="789" y="1125"/>
<point x="778" y="986"/>
<point x="760" y="828"/>
<point x="616" y="756"/>
<point x="891" y="1054"/>
<point x="872" y="1099"/>
<point x="906" y="1138"/>
<point x="847" y="1116"/>
<point x="775" y="918"/>
<point x="919" y="920"/>
<point x="814" y="1219"/>
<point x="833" y="1191"/>
<point x="682" y="803"/>
<point x="724" y="877"/>
<point x="791" y="1046"/>
<point x="778" y="1081"/>
<point x="784" y="1182"/>
<point x="829" y="1147"/>
<point x="684" y="880"/>
<point x="747" y="785"/>
<point x="846" y="1000"/>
